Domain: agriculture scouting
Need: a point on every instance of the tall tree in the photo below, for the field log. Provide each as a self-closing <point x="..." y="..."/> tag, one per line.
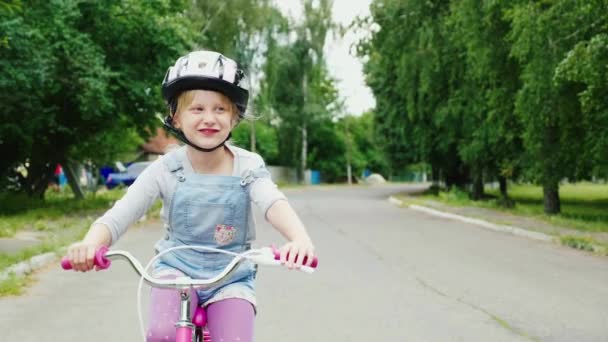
<point x="239" y="29"/>
<point x="297" y="87"/>
<point x="587" y="64"/>
<point x="497" y="88"/>
<point x="312" y="34"/>
<point x="78" y="72"/>
<point x="543" y="33"/>
<point x="492" y="144"/>
<point x="415" y="72"/>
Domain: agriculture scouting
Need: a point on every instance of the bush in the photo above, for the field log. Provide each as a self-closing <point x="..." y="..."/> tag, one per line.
<point x="455" y="194"/>
<point x="582" y="243"/>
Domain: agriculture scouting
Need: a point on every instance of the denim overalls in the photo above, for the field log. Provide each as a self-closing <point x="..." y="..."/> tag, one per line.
<point x="211" y="211"/>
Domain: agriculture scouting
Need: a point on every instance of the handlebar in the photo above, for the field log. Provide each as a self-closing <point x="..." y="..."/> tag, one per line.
<point x="266" y="255"/>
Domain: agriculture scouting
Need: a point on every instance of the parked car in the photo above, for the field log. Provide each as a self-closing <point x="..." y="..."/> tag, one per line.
<point x="127" y="177"/>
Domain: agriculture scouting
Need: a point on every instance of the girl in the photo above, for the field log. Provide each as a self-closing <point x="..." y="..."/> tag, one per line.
<point x="207" y="187"/>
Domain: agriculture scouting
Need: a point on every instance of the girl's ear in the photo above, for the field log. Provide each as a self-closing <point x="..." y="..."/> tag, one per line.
<point x="176" y="121"/>
<point x="235" y="118"/>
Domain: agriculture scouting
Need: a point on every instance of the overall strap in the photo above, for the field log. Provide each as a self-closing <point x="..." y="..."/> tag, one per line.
<point x="250" y="175"/>
<point x="175" y="165"/>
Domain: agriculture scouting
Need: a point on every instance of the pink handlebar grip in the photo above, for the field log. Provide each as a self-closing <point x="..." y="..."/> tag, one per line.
<point x="100" y="260"/>
<point x="277" y="256"/>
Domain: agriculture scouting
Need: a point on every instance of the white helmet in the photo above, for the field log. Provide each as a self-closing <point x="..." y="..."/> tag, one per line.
<point x="205" y="70"/>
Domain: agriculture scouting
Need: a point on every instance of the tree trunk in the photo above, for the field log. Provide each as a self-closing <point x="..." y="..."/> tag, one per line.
<point x="304" y="132"/>
<point x="41" y="184"/>
<point x="551" y="169"/>
<point x="456" y="172"/>
<point x="304" y="152"/>
<point x="349" y="144"/>
<point x="435" y="175"/>
<point x="551" y="197"/>
<point x="504" y="200"/>
<point x="478" y="186"/>
<point x="252" y="136"/>
<point x="456" y="177"/>
<point x="37" y="180"/>
<point x="349" y="174"/>
<point x="73" y="180"/>
<point x="502" y="183"/>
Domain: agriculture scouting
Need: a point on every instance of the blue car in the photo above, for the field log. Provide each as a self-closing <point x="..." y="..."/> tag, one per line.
<point x="128" y="177"/>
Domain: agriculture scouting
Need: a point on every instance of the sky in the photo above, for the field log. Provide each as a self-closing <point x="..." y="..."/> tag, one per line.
<point x="343" y="66"/>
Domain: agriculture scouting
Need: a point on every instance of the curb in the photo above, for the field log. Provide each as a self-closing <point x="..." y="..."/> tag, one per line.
<point x="26" y="267"/>
<point x="484" y="224"/>
<point x="38" y="261"/>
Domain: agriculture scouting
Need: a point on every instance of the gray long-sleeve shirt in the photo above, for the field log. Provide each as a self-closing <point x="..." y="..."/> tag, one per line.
<point x="157" y="181"/>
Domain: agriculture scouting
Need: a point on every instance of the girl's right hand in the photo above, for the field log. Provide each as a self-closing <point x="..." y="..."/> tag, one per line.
<point x="81" y="255"/>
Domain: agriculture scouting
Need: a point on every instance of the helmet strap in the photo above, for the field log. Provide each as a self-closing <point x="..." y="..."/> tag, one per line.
<point x="178" y="133"/>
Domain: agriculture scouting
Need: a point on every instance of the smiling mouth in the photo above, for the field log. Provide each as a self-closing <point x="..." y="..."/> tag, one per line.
<point x="208" y="131"/>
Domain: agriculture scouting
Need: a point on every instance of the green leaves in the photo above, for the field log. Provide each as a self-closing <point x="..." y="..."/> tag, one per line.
<point x="587" y="65"/>
<point x="297" y="93"/>
<point x="493" y="88"/>
<point x="79" y="76"/>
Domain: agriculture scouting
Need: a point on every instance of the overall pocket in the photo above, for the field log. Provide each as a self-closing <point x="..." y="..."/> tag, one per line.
<point x="202" y="219"/>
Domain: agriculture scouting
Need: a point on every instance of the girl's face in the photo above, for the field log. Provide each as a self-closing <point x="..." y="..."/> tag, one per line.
<point x="207" y="118"/>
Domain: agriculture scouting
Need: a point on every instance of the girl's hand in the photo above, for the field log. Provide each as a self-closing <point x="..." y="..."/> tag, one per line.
<point x="82" y="255"/>
<point x="294" y="252"/>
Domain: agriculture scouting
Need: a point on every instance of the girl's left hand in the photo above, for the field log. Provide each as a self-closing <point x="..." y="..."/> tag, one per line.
<point x="294" y="252"/>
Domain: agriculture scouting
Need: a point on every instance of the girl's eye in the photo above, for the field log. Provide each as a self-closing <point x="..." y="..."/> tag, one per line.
<point x="197" y="109"/>
<point x="220" y="109"/>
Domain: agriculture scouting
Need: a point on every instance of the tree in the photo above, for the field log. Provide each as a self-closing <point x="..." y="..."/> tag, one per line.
<point x="586" y="64"/>
<point x="416" y="72"/>
<point x="240" y="29"/>
<point x="266" y="138"/>
<point x="361" y="140"/>
<point x="543" y="33"/>
<point x="77" y="73"/>
<point x="492" y="144"/>
<point x="312" y="34"/>
<point x="495" y="89"/>
<point x="297" y="91"/>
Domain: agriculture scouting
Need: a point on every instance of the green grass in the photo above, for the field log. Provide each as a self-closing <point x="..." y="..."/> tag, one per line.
<point x="13" y="285"/>
<point x="287" y="185"/>
<point x="584" y="206"/>
<point x="62" y="220"/>
<point x="583" y="243"/>
<point x="53" y="242"/>
<point x="58" y="210"/>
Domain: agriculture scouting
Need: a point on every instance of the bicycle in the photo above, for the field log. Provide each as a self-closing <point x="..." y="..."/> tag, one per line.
<point x="188" y="329"/>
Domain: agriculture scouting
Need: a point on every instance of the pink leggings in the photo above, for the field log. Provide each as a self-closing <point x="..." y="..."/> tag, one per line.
<point x="228" y="320"/>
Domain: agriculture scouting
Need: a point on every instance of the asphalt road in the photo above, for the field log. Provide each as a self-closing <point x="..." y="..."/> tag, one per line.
<point x="386" y="274"/>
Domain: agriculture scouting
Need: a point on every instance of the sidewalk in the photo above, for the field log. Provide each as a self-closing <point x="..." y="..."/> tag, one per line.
<point x="29" y="239"/>
<point x="503" y="221"/>
<point x="20" y="243"/>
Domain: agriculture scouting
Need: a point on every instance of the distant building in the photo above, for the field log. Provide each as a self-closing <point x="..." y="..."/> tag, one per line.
<point x="158" y="145"/>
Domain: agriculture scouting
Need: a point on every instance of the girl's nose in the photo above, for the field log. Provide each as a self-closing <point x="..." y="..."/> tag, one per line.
<point x="208" y="118"/>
